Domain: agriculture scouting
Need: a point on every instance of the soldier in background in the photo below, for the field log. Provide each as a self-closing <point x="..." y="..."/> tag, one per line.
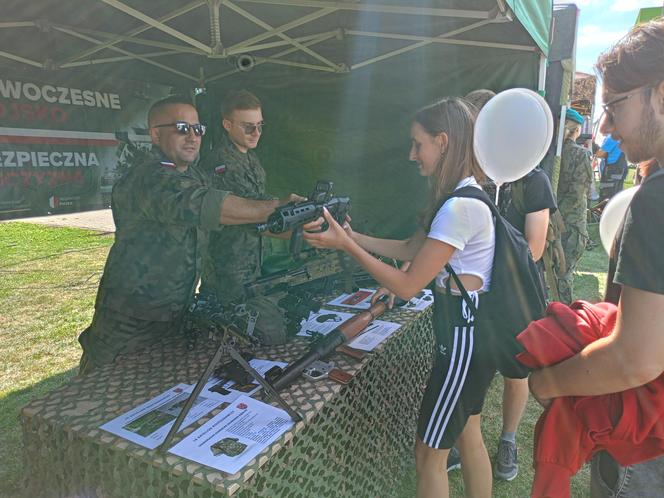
<point x="233" y="255"/>
<point x="573" y="186"/>
<point x="162" y="209"/>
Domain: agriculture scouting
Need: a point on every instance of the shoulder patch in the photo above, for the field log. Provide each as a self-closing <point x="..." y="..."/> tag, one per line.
<point x="220" y="169"/>
<point x="167" y="164"/>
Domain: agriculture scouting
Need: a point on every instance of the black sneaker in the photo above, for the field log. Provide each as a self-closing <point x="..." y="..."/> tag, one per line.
<point x="453" y="459"/>
<point x="506" y="466"/>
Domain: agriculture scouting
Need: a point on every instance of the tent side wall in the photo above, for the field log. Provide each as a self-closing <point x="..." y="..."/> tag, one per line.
<point x="535" y="16"/>
<point x="560" y="76"/>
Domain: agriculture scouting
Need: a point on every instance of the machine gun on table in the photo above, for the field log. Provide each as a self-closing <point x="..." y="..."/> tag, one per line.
<point x="298" y="291"/>
<point x="323" y="267"/>
<point x="292" y="216"/>
<point x="206" y="317"/>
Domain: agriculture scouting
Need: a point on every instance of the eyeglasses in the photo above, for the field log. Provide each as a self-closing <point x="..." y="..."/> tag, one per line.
<point x="250" y="128"/>
<point x="609" y="106"/>
<point x="183" y="127"/>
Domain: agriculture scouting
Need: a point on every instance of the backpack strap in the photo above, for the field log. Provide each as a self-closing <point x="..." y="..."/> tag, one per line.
<point x="462" y="289"/>
<point x="479" y="194"/>
<point x="475" y="193"/>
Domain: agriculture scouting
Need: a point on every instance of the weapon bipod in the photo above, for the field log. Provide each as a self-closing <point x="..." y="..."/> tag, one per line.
<point x="223" y="349"/>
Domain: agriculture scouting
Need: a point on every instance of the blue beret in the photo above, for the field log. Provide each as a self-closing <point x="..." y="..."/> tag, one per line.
<point x="574" y="116"/>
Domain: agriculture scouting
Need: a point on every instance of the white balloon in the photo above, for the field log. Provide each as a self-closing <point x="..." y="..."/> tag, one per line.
<point x="512" y="134"/>
<point x="613" y="215"/>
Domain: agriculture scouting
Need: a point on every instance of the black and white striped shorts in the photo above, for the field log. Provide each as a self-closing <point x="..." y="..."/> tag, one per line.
<point x="461" y="375"/>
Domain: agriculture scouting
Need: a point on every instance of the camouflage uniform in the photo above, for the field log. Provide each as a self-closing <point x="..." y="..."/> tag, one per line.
<point x="233" y="256"/>
<point x="161" y="217"/>
<point x="573" y="186"/>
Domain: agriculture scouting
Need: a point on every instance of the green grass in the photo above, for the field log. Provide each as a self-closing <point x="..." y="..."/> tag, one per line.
<point x="48" y="282"/>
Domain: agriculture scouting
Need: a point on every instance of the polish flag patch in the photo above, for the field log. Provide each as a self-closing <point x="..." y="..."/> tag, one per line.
<point x="167" y="164"/>
<point x="220" y="169"/>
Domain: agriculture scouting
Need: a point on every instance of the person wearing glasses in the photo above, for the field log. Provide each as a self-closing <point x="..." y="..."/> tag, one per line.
<point x="576" y="176"/>
<point x="632" y="74"/>
<point x="233" y="256"/>
<point x="163" y="209"/>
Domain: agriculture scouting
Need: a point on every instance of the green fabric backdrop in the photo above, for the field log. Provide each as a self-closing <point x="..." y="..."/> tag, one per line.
<point x="353" y="128"/>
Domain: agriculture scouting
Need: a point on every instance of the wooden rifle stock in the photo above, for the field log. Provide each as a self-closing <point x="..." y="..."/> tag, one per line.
<point x="325" y="345"/>
<point x="353" y="327"/>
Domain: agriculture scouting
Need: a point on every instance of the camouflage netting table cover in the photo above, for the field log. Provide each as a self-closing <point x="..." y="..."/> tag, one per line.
<point x="355" y="440"/>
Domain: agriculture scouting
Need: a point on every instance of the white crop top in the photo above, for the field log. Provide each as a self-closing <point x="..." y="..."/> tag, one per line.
<point x="467" y="225"/>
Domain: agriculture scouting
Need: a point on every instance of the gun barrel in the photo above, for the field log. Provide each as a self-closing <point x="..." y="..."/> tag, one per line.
<point x="319" y="349"/>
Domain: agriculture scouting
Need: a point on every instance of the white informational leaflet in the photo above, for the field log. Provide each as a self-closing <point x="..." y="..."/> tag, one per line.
<point x="322" y="322"/>
<point x="360" y="300"/>
<point x="375" y="333"/>
<point x="228" y="390"/>
<point x="421" y="301"/>
<point x="148" y="424"/>
<point x="235" y="436"/>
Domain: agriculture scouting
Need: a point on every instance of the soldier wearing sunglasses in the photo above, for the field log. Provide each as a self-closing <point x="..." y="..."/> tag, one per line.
<point x="233" y="257"/>
<point x="163" y="209"/>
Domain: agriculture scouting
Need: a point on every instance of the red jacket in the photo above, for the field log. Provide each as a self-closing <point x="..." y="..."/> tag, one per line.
<point x="628" y="425"/>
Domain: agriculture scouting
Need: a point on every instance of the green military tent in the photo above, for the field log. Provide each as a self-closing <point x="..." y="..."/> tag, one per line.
<point x="338" y="79"/>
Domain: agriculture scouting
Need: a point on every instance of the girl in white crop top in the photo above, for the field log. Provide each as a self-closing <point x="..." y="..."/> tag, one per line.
<point x="460" y="232"/>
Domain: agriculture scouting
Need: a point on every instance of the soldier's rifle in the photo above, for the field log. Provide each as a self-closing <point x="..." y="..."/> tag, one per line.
<point x="294" y="215"/>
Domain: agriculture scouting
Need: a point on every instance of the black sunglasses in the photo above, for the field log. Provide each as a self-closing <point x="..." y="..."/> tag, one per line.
<point x="183" y="127"/>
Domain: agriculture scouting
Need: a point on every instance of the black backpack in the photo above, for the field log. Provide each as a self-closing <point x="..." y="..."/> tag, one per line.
<point x="516" y="296"/>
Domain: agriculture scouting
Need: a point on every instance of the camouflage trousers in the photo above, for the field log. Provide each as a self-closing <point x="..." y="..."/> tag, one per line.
<point x="112" y="333"/>
<point x="574" y="244"/>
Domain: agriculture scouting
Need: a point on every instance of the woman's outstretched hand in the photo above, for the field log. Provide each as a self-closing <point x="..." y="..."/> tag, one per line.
<point x="335" y="237"/>
<point x="382" y="291"/>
